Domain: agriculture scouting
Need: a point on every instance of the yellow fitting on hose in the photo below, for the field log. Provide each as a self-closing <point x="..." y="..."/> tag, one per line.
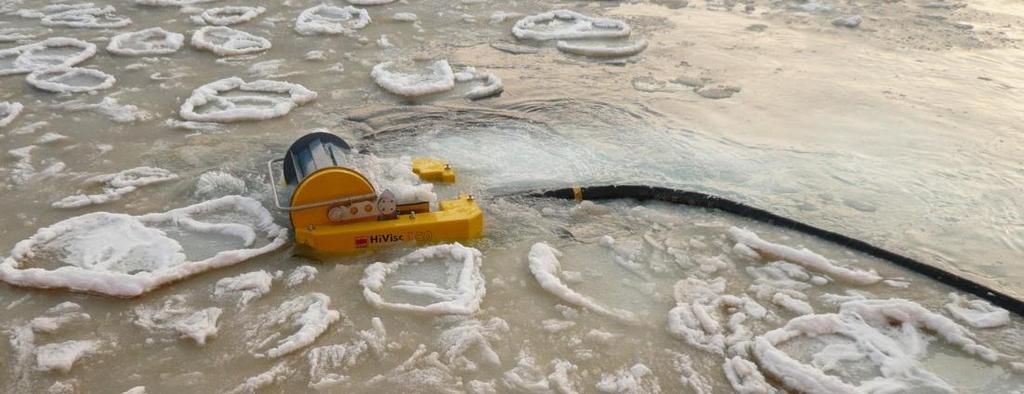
<point x="577" y="193"/>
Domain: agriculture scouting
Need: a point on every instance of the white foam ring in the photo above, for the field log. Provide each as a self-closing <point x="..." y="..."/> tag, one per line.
<point x="567" y="25"/>
<point x="708" y="320"/>
<point x="603" y="50"/>
<point x="126" y="256"/>
<point x="116" y="185"/>
<point x="460" y="295"/>
<point x="147" y="42"/>
<point x="9" y="111"/>
<point x="70" y="80"/>
<point x="977" y="313"/>
<point x="329" y="19"/>
<point x="51" y="52"/>
<point x="309" y="315"/>
<point x="489" y="84"/>
<point x="370" y="2"/>
<point x="866" y="324"/>
<point x="438" y="77"/>
<point x="225" y="41"/>
<point x="171" y="3"/>
<point x="236" y="108"/>
<point x="545" y="267"/>
<point x="87" y="17"/>
<point x="231" y="15"/>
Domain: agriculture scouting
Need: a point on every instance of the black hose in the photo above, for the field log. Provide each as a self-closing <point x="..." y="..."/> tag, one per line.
<point x="703" y="200"/>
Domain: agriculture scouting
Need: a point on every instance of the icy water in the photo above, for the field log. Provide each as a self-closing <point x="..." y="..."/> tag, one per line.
<point x="900" y="131"/>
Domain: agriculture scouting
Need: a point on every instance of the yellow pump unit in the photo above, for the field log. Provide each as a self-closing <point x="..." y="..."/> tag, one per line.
<point x="335" y="209"/>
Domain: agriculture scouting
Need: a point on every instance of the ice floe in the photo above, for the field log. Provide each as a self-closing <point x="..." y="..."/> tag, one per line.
<point x="70" y="80"/>
<point x="9" y="111"/>
<point x="490" y="84"/>
<point x="111" y="108"/>
<point x="803" y="257"/>
<point x="262" y="100"/>
<point x="407" y="81"/>
<point x="147" y="42"/>
<point x="213" y="184"/>
<point x="889" y="334"/>
<point x="246" y="287"/>
<point x="602" y="49"/>
<point x="231" y="15"/>
<point x="225" y="41"/>
<point x="300" y="275"/>
<point x="62" y="356"/>
<point x="329" y="19"/>
<point x="86" y="17"/>
<point x="461" y="292"/>
<point x="51" y="52"/>
<point x="544" y="265"/>
<point x="328" y="364"/>
<point x="116" y="185"/>
<point x="174" y="316"/>
<point x="58" y="317"/>
<point x="977" y="313"/>
<point x="467" y="344"/>
<point x="567" y="25"/>
<point x="308" y="315"/>
<point x="125" y="256"/>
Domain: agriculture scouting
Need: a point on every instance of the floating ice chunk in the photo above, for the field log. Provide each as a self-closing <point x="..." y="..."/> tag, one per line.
<point x="329" y="19"/>
<point x="111" y="108"/>
<point x="148" y="42"/>
<point x="248" y="286"/>
<point x="311" y="317"/>
<point x="404" y="17"/>
<point x="458" y="340"/>
<point x="744" y="377"/>
<point x="804" y="257"/>
<point x="9" y="111"/>
<point x="62" y="356"/>
<point x="327" y="363"/>
<point x="171" y="3"/>
<point x="57" y="317"/>
<point x="51" y="52"/>
<point x="225" y="41"/>
<point x="370" y="2"/>
<point x="633" y="380"/>
<point x="214" y="184"/>
<point x="603" y="49"/>
<point x="461" y="294"/>
<point x="527" y="378"/>
<point x="567" y="25"/>
<point x="545" y="267"/>
<point x="87" y="17"/>
<point x="300" y="275"/>
<point x="175" y="317"/>
<point x="70" y="80"/>
<point x="436" y="77"/>
<point x="490" y="85"/>
<point x="125" y="256"/>
<point x="116" y="186"/>
<point x="231" y="15"/>
<point x="255" y="383"/>
<point x="868" y="325"/>
<point x="977" y="313"/>
<point x="210" y="102"/>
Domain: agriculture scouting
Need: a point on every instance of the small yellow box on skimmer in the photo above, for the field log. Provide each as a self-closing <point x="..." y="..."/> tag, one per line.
<point x="334" y="209"/>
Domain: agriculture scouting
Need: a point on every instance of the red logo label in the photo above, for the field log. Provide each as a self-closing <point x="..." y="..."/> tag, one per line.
<point x="362" y="241"/>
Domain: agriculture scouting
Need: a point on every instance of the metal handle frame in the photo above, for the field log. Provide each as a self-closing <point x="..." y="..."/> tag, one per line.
<point x="277" y="201"/>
